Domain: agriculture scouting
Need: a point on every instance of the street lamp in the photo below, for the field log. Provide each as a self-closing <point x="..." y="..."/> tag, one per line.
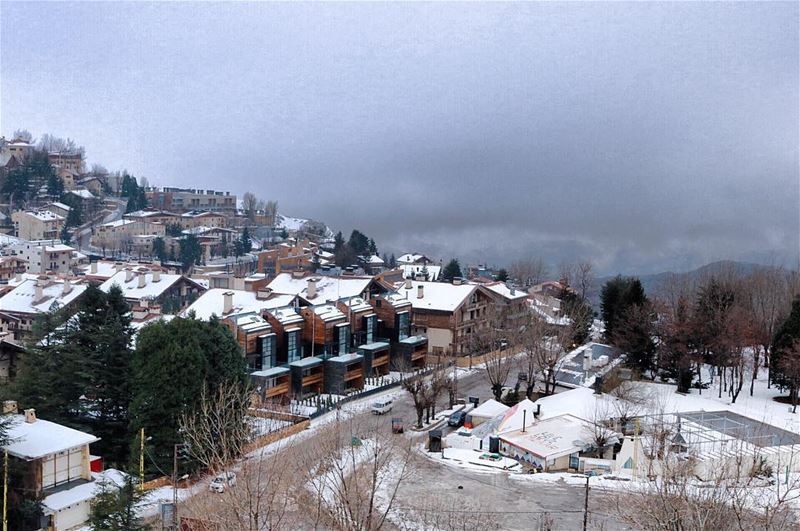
<point x="183" y="447"/>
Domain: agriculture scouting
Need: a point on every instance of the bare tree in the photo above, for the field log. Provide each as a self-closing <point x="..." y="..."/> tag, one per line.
<point x="532" y="339"/>
<point x="23" y="134"/>
<point x="529" y="271"/>
<point x="352" y="474"/>
<point x="271" y="212"/>
<point x="216" y="431"/>
<point x="584" y="277"/>
<point x="491" y="339"/>
<point x="250" y="205"/>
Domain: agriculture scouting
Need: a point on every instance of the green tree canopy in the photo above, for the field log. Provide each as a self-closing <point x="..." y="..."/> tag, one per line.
<point x="172" y="363"/>
<point x="451" y="270"/>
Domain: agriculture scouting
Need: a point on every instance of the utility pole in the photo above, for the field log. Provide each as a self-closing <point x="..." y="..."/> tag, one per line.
<point x="141" y="460"/>
<point x="5" y="489"/>
<point x="586" y="505"/>
<point x="175" y="486"/>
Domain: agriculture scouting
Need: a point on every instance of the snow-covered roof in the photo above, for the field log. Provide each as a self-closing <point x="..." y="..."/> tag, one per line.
<point x="131" y="289"/>
<point x="347" y="358"/>
<point x="489" y="409"/>
<point x="213" y="302"/>
<point x="83" y="194"/>
<point x="502" y="289"/>
<point x="149" y="213"/>
<point x="440" y="296"/>
<point x="22" y="299"/>
<point x="32" y="440"/>
<point x="328" y="312"/>
<point x="271" y="373"/>
<point x="62" y="206"/>
<point x="413" y="340"/>
<point x="328" y="288"/>
<point x="410" y="258"/>
<point x="551" y="438"/>
<point x="58" y="247"/>
<point x="373" y="259"/>
<point x="46" y="215"/>
<point x="357" y="304"/>
<point x="286" y="315"/>
<point x="397" y="299"/>
<point x="118" y="223"/>
<point x="412" y="270"/>
<point x="517" y="416"/>
<point x="61" y="499"/>
<point x="375" y="345"/>
<point x="6" y="240"/>
<point x="309" y="361"/>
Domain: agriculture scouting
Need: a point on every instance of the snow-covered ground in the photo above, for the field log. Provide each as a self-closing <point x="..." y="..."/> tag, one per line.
<point x="475" y="460"/>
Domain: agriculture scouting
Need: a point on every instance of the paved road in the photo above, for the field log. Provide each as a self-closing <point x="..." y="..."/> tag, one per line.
<point x="496" y="500"/>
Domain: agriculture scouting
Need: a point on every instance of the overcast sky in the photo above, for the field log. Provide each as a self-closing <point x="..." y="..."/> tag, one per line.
<point x="643" y="136"/>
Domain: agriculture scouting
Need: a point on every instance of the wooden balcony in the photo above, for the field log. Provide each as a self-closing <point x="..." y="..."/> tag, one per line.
<point x="417" y="354"/>
<point x="277" y="390"/>
<point x="380" y="360"/>
<point x="312" y="379"/>
<point x="354" y="374"/>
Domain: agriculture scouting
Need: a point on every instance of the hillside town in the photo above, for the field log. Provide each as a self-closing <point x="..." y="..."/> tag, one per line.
<point x="193" y="359"/>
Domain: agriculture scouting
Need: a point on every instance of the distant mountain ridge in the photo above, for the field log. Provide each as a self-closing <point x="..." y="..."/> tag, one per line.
<point x="653" y="282"/>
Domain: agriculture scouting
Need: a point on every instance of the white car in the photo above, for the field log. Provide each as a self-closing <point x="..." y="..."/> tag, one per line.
<point x="382" y="406"/>
<point x="218" y="484"/>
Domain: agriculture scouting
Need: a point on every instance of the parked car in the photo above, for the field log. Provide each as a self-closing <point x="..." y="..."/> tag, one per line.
<point x="226" y="479"/>
<point x="382" y="406"/>
<point x="457" y="419"/>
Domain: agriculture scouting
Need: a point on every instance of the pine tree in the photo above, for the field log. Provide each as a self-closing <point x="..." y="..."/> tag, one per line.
<point x="338" y="241"/>
<point x="171" y="364"/>
<point x="617" y="296"/>
<point x="451" y="270"/>
<point x="502" y="275"/>
<point x="785" y="362"/>
<point x="114" y="508"/>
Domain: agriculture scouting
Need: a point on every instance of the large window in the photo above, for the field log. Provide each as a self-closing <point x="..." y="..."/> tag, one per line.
<point x="293" y="345"/>
<point x="343" y="338"/>
<point x="369" y="327"/>
<point x="267" y="351"/>
<point x="403" y="325"/>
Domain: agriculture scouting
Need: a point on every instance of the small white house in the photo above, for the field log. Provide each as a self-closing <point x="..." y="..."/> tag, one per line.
<point x="56" y="464"/>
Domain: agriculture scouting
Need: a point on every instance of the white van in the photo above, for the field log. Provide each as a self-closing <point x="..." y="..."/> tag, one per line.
<point x="382" y="406"/>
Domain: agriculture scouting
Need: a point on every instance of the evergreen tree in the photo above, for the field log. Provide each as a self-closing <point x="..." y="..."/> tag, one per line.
<point x="502" y="275"/>
<point x="114" y="508"/>
<point x="373" y="249"/>
<point x="171" y="364"/>
<point x="64" y="235"/>
<point x="159" y="248"/>
<point x="358" y="242"/>
<point x="190" y="251"/>
<point x="617" y="296"/>
<point x="392" y="261"/>
<point x="338" y="242"/>
<point x="785" y="362"/>
<point x="451" y="270"/>
<point x="104" y="337"/>
<point x="55" y="186"/>
<point x="246" y="241"/>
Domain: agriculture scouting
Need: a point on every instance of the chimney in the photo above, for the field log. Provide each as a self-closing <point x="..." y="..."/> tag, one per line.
<point x="408" y="283"/>
<point x="227" y="302"/>
<point x="420" y="291"/>
<point x="128" y="274"/>
<point x="311" y="290"/>
<point x="156" y="275"/>
<point x="39" y="293"/>
<point x="93" y="268"/>
<point x="538" y="411"/>
<point x="142" y="279"/>
<point x="10" y="407"/>
<point x="456" y="281"/>
<point x="30" y="416"/>
<point x="67" y="287"/>
<point x="510" y="287"/>
<point x="18" y="276"/>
